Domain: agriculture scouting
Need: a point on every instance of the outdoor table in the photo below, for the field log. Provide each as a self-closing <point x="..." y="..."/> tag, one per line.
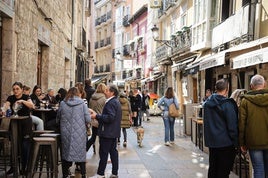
<point x="14" y="141"/>
<point x="43" y="112"/>
<point x="198" y="132"/>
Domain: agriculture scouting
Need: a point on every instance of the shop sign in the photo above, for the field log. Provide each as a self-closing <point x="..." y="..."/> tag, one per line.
<point x="251" y="58"/>
<point x="213" y="61"/>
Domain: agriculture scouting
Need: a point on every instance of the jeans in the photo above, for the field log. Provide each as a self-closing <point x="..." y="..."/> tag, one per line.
<point x="38" y="122"/>
<point x="259" y="159"/>
<point x="169" y="128"/>
<point x="124" y="130"/>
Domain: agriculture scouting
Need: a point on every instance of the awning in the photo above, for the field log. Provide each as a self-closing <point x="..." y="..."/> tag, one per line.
<point x="156" y="77"/>
<point x="249" y="44"/>
<point x="183" y="64"/>
<point x="250" y="58"/>
<point x="97" y="78"/>
<point x="213" y="61"/>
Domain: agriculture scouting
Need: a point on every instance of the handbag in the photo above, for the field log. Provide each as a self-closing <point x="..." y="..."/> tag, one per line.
<point x="173" y="111"/>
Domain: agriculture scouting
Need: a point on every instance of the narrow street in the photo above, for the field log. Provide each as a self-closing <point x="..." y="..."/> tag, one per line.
<point x="154" y="159"/>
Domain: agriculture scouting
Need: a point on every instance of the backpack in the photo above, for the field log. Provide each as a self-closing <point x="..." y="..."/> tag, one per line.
<point x="172" y="110"/>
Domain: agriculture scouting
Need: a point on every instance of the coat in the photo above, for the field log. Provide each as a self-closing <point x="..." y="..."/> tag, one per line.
<point x="110" y="119"/>
<point x="253" y="120"/>
<point x="220" y="122"/>
<point x="97" y="102"/>
<point x="126" y="111"/>
<point x="73" y="116"/>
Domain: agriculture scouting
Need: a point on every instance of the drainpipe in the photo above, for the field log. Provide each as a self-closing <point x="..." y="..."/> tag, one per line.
<point x="72" y="47"/>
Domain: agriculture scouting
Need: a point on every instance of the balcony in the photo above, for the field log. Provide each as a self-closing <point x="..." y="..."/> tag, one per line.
<point x="182" y="40"/>
<point x="97" y="21"/>
<point x="101" y="43"/>
<point x="107" y="68"/>
<point x="238" y="30"/>
<point x="125" y="20"/>
<point x="109" y="15"/>
<point x="126" y="50"/>
<point x="103" y="18"/>
<point x="108" y="40"/>
<point x="96" y="45"/>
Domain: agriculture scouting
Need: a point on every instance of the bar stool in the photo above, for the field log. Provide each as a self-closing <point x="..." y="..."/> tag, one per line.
<point x="41" y="144"/>
<point x="3" y="157"/>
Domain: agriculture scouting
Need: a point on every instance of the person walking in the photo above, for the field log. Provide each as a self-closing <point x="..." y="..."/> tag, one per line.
<point x="220" y="130"/>
<point x="253" y="125"/>
<point x="126" y="114"/>
<point x="145" y="105"/>
<point x="135" y="101"/>
<point x="109" y="131"/>
<point x="96" y="103"/>
<point x="169" y="122"/>
<point x="89" y="90"/>
<point x="73" y="116"/>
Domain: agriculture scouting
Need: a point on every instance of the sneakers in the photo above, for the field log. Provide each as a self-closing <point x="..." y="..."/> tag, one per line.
<point x="171" y="142"/>
<point x="113" y="176"/>
<point x="167" y="144"/>
<point x="125" y="144"/>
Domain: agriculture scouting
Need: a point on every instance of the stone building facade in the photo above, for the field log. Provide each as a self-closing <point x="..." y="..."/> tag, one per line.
<point x="43" y="42"/>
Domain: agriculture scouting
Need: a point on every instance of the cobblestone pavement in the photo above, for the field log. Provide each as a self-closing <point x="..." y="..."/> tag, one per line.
<point x="153" y="160"/>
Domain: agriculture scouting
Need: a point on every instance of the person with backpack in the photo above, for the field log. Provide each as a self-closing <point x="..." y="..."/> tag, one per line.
<point x="220" y="130"/>
<point x="169" y="121"/>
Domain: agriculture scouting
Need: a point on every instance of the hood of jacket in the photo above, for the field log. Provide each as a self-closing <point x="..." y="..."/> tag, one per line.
<point x="214" y="100"/>
<point x="97" y="96"/>
<point x="123" y="100"/>
<point x="257" y="97"/>
<point x="74" y="101"/>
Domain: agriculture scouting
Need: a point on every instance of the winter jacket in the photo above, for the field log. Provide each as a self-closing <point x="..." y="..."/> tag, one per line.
<point x="220" y="122"/>
<point x="253" y="120"/>
<point x="126" y="111"/>
<point x="110" y="119"/>
<point x="73" y="116"/>
<point x="97" y="102"/>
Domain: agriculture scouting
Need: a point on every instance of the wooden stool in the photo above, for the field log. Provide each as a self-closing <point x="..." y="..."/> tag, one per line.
<point x="39" y="142"/>
<point x="3" y="156"/>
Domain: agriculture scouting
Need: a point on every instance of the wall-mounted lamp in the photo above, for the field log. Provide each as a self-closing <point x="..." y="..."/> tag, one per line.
<point x="155" y="31"/>
<point x="118" y="55"/>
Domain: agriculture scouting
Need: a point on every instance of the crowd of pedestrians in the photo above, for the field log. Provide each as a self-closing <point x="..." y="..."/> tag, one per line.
<point x="237" y="125"/>
<point x="230" y="124"/>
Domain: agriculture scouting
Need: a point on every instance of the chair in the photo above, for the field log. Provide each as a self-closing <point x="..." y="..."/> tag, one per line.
<point x="40" y="145"/>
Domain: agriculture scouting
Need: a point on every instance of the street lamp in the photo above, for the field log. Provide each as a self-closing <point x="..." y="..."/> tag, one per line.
<point x="155" y="31"/>
<point x="118" y="55"/>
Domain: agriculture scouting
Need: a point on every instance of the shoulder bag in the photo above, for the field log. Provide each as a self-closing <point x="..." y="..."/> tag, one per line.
<point x="172" y="110"/>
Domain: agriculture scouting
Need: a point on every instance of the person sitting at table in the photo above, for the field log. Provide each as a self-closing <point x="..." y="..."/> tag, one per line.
<point x="38" y="123"/>
<point x="26" y="125"/>
<point x="50" y="98"/>
<point x="51" y="115"/>
<point x="61" y="95"/>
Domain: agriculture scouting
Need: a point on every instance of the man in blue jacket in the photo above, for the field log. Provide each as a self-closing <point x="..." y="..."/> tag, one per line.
<point x="220" y="130"/>
<point x="109" y="131"/>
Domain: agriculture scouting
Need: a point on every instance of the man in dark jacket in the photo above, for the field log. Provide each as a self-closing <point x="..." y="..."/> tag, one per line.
<point x="89" y="90"/>
<point x="109" y="130"/>
<point x="221" y="130"/>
